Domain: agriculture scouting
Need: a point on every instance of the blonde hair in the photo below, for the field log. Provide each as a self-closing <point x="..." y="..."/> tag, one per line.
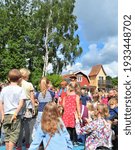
<point x="101" y="109"/>
<point x="71" y="87"/>
<point x="113" y="101"/>
<point x="43" y="85"/>
<point x="90" y="106"/>
<point x="50" y="119"/>
<point x="25" y="73"/>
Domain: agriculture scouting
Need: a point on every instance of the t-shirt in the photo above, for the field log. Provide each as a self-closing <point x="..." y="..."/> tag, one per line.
<point x="10" y="97"/>
<point x="84" y="99"/>
<point x="43" y="100"/>
<point x="28" y="87"/>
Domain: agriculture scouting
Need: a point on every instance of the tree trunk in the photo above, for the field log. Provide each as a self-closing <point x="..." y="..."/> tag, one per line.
<point x="45" y="58"/>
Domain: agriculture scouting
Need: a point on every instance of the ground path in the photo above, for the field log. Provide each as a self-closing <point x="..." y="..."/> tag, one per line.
<point x="80" y="147"/>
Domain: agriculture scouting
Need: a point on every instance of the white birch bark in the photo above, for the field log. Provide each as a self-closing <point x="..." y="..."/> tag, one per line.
<point x="45" y="58"/>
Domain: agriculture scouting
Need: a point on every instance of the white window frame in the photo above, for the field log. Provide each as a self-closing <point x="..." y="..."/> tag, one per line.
<point x="79" y="78"/>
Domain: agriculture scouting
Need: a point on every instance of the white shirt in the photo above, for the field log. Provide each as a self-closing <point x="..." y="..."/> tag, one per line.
<point x="10" y="97"/>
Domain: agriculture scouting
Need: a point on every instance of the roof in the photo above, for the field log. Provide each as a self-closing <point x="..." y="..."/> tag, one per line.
<point x="95" y="70"/>
<point x="74" y="74"/>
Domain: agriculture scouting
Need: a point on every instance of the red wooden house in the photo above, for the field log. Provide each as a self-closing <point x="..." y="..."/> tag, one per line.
<point x="82" y="79"/>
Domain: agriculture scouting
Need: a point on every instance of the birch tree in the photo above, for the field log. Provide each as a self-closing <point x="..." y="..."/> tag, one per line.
<point x="57" y="41"/>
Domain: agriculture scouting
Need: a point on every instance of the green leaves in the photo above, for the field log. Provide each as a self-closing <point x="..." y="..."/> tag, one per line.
<point x="24" y="35"/>
<point x="55" y="79"/>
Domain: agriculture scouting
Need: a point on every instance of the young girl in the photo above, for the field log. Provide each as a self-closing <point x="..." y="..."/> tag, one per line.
<point x="71" y="104"/>
<point x="51" y="131"/>
<point x="104" y="98"/>
<point x="99" y="129"/>
<point x="90" y="111"/>
<point x="96" y="99"/>
<point x="43" y="97"/>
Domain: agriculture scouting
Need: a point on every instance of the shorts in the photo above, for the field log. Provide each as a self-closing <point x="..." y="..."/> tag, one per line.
<point x="11" y="129"/>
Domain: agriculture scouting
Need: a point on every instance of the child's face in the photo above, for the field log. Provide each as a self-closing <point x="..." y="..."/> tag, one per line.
<point x="113" y="105"/>
<point x="83" y="91"/>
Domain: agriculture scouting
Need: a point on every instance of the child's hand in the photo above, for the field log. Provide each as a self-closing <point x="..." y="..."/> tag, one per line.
<point x="13" y="117"/>
<point x="36" y="102"/>
<point x="88" y="120"/>
<point x="33" y="112"/>
<point x="2" y="118"/>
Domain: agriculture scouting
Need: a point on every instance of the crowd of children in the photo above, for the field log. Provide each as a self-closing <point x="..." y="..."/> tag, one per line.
<point x="56" y="120"/>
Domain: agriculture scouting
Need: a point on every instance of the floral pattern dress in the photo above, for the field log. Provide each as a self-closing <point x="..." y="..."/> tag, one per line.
<point x="69" y="111"/>
<point x="98" y="131"/>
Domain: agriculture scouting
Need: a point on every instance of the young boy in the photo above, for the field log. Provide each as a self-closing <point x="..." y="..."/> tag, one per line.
<point x="113" y="111"/>
<point x="11" y="101"/>
<point x="29" y="110"/>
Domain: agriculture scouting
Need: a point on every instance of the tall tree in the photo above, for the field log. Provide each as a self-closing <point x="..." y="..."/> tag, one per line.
<point x="36" y="33"/>
<point x="56" y="29"/>
<point x="14" y="23"/>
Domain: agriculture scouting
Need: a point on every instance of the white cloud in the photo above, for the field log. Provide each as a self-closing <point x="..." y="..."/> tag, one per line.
<point x="111" y="69"/>
<point x="99" y="19"/>
<point x="98" y="23"/>
<point x="106" y="55"/>
<point x="76" y="67"/>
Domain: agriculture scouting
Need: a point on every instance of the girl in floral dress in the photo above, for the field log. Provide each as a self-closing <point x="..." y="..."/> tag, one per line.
<point x="98" y="130"/>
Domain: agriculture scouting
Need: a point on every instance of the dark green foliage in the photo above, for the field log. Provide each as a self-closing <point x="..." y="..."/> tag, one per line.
<point x="55" y="79"/>
<point x="113" y="80"/>
<point x="24" y="39"/>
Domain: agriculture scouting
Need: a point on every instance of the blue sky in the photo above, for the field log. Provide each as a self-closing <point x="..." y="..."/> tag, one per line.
<point x="98" y="32"/>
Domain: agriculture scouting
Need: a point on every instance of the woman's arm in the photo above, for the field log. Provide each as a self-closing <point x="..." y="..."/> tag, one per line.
<point x="78" y="106"/>
<point x="39" y="135"/>
<point x="63" y="103"/>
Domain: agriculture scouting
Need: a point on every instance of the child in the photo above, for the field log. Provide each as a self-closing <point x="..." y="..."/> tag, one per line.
<point x="99" y="129"/>
<point x="71" y="104"/>
<point x="83" y="121"/>
<point x="113" y="110"/>
<point x="96" y="99"/>
<point x="29" y="110"/>
<point x="90" y="111"/>
<point x="51" y="131"/>
<point x="63" y="92"/>
<point x="11" y="101"/>
<point x="104" y="99"/>
<point x="43" y="97"/>
<point x="84" y="98"/>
